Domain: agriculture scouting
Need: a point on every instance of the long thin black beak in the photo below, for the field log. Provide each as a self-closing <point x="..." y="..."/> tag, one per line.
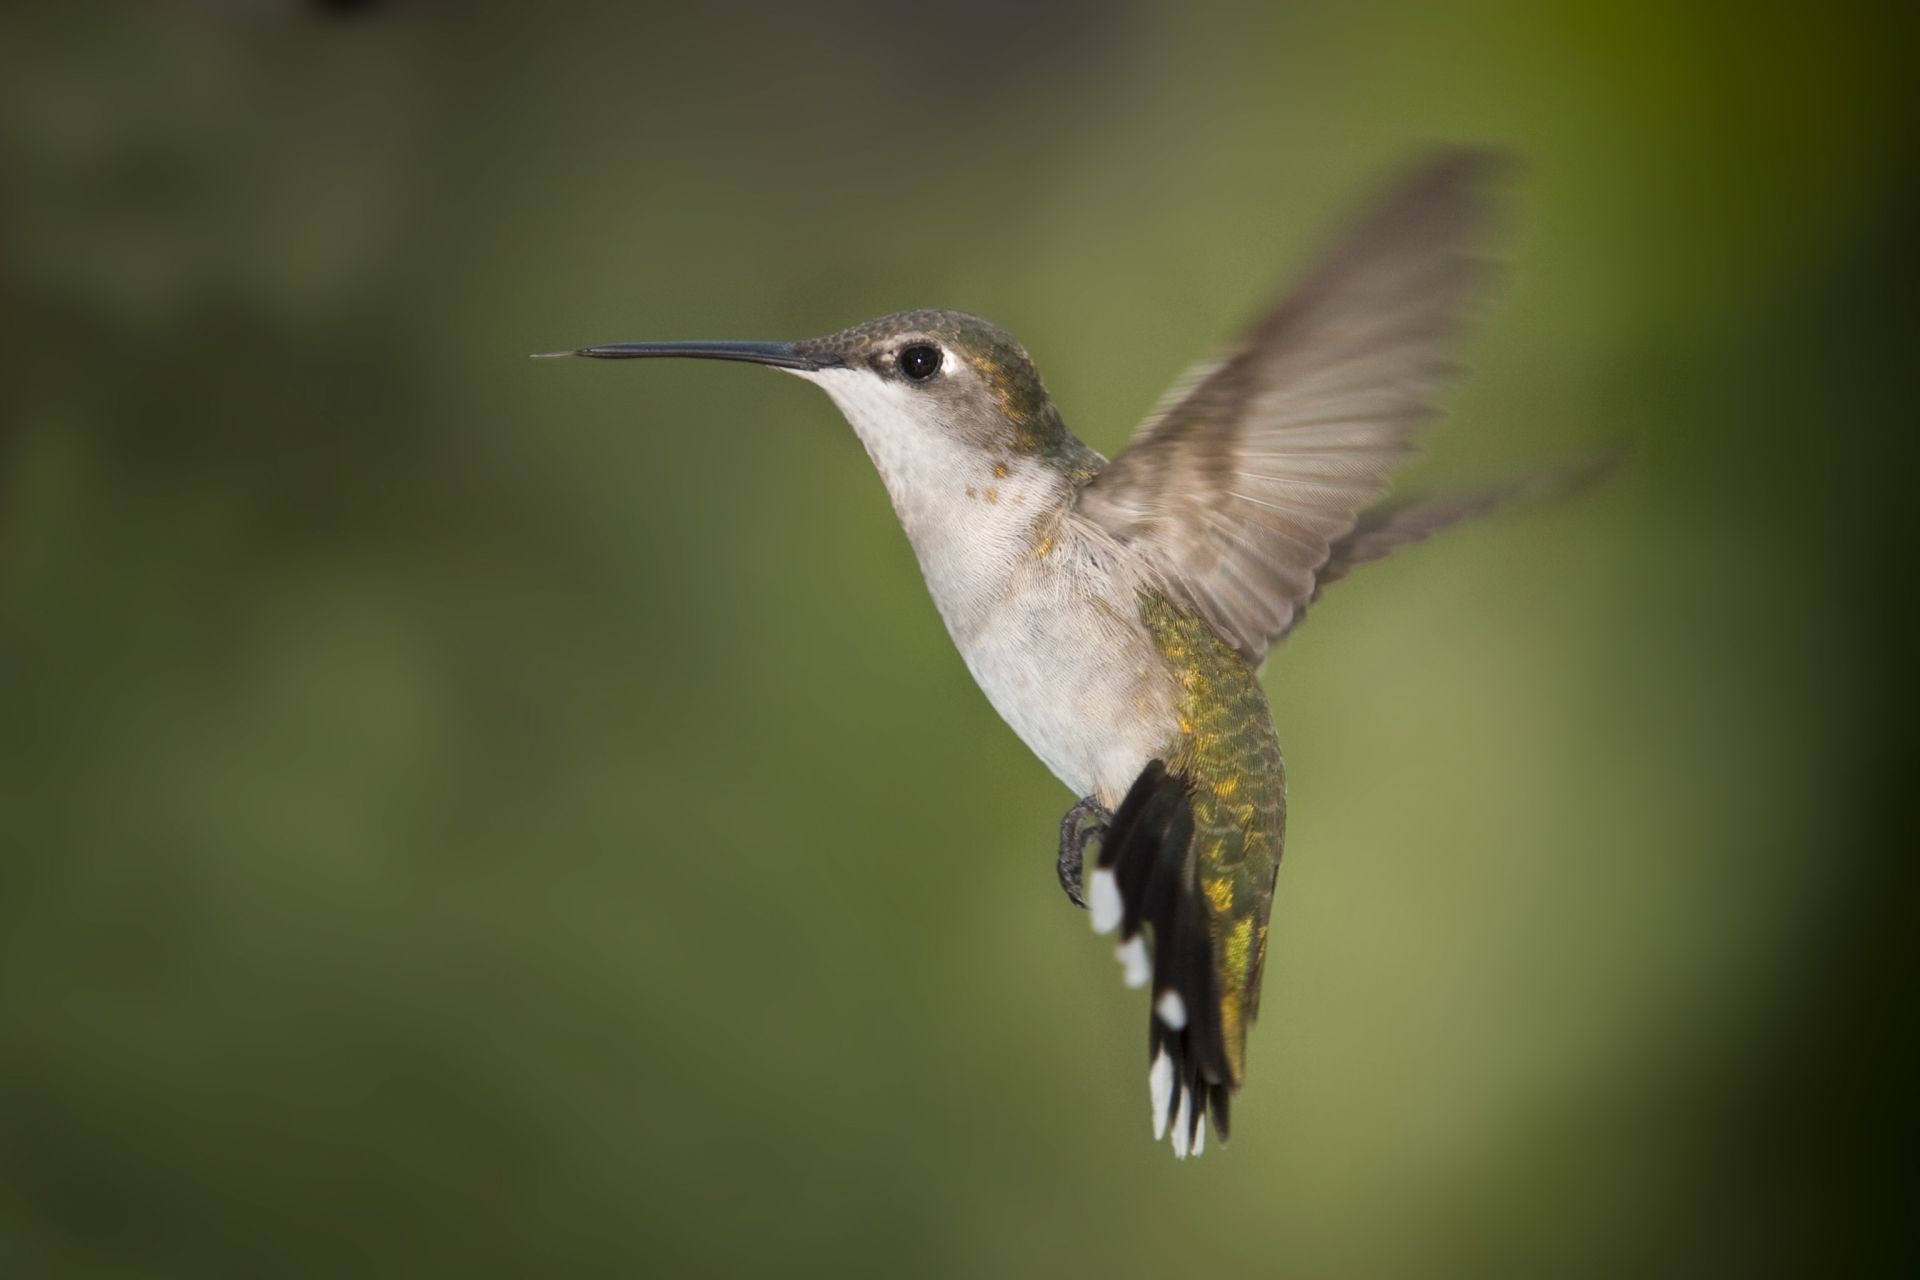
<point x="781" y="355"/>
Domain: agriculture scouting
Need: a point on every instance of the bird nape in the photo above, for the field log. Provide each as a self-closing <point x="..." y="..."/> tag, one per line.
<point x="1117" y="614"/>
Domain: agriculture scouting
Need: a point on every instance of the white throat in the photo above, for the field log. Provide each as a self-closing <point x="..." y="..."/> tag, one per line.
<point x="969" y="513"/>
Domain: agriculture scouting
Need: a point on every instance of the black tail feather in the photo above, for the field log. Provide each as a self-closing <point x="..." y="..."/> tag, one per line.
<point x="1147" y="853"/>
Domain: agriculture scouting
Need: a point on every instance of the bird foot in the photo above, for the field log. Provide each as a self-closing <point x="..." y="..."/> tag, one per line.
<point x="1087" y="820"/>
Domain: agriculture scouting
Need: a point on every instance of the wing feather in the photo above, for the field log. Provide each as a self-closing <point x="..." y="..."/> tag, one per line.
<point x="1239" y="484"/>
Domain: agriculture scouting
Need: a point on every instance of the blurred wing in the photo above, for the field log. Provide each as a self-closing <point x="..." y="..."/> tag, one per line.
<point x="1238" y="487"/>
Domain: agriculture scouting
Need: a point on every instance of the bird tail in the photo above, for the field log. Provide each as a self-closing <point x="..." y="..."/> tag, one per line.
<point x="1147" y="877"/>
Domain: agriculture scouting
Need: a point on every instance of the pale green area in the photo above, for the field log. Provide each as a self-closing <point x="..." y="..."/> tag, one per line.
<point x="461" y="814"/>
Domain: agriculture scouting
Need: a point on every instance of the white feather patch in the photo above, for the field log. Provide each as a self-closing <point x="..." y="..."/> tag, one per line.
<point x="1182" y="1131"/>
<point x="1199" y="1134"/>
<point x="1172" y="1010"/>
<point x="1133" y="955"/>
<point x="1103" y="901"/>
<point x="1160" y="1087"/>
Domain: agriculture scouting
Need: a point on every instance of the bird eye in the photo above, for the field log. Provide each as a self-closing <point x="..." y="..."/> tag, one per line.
<point x="920" y="362"/>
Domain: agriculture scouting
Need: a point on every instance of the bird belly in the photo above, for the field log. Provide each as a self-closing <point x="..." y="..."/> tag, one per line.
<point x="1075" y="673"/>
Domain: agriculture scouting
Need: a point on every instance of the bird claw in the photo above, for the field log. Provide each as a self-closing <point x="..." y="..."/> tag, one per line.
<point x="1087" y="820"/>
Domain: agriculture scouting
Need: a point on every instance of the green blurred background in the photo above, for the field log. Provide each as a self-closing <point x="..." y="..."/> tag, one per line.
<point x="461" y="814"/>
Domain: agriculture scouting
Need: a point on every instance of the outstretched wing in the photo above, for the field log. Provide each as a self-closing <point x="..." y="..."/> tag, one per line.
<point x="1238" y="488"/>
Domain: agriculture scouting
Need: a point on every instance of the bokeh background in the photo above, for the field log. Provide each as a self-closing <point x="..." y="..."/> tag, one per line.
<point x="467" y="815"/>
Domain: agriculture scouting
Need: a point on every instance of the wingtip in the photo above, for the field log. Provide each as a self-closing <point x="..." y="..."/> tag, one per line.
<point x="1456" y="163"/>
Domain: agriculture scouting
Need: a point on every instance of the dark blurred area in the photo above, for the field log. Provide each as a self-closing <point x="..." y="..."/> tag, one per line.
<point x="468" y="815"/>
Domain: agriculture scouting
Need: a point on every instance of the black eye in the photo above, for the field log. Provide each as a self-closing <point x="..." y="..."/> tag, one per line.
<point x="920" y="363"/>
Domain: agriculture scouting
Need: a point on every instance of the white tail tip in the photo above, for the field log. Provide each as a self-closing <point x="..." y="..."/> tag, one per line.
<point x="1182" y="1128"/>
<point x="1103" y="901"/>
<point x="1160" y="1088"/>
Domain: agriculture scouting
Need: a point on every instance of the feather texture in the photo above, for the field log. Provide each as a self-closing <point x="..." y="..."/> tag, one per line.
<point x="1237" y="489"/>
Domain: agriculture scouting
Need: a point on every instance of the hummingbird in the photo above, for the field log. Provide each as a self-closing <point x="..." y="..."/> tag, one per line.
<point x="1117" y="613"/>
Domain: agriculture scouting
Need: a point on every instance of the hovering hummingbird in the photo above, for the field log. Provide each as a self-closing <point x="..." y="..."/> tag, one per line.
<point x="1117" y="613"/>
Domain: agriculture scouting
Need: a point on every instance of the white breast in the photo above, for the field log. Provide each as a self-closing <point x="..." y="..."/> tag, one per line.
<point x="1043" y="607"/>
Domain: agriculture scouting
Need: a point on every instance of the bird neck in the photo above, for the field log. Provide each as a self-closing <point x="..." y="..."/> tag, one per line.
<point x="974" y="514"/>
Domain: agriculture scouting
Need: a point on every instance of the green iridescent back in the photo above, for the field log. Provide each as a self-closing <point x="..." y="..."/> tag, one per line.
<point x="1228" y="750"/>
